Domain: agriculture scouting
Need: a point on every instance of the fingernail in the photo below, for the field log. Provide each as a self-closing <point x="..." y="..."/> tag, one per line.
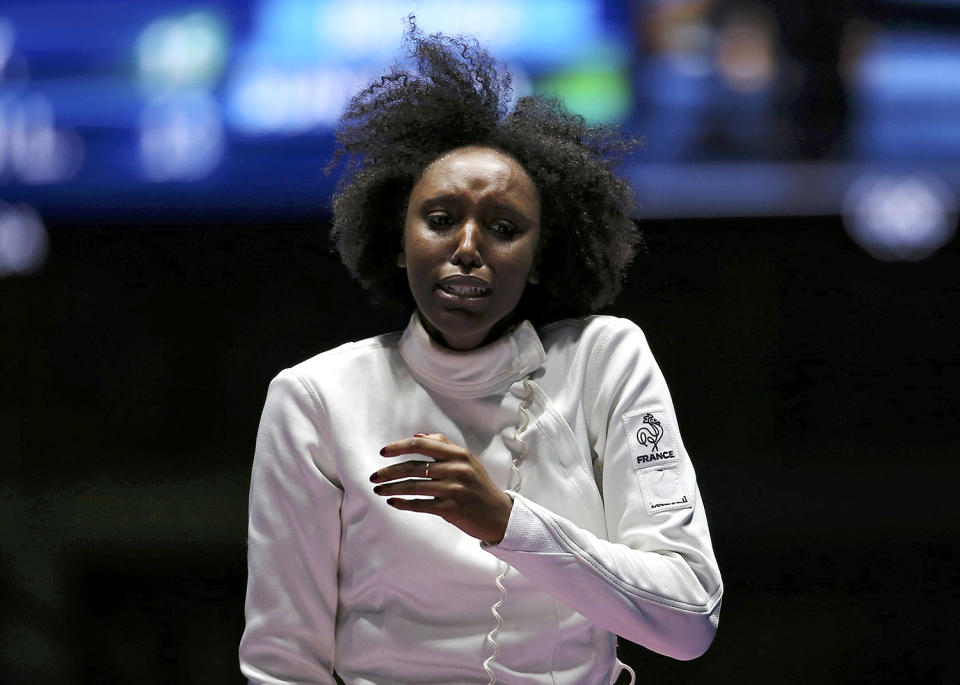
<point x="373" y="476"/>
<point x="376" y="490"/>
<point x="382" y="450"/>
<point x="420" y="435"/>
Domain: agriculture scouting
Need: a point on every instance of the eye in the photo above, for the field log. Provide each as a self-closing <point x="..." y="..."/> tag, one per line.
<point x="504" y="229"/>
<point x="439" y="220"/>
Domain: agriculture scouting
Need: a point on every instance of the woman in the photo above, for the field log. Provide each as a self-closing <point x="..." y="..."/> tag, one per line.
<point x="486" y="496"/>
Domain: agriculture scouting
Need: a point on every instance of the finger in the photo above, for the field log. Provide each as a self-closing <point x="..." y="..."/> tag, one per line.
<point x="423" y="488"/>
<point x="415" y="468"/>
<point x="434" y="436"/>
<point x="439" y="448"/>
<point x="423" y="506"/>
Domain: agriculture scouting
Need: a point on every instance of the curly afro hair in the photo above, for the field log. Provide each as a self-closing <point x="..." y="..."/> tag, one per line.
<point x="457" y="96"/>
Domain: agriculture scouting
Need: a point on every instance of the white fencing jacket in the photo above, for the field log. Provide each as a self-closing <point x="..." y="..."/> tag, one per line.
<point x="607" y="534"/>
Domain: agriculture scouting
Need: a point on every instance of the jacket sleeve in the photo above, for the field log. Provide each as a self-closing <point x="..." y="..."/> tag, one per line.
<point x="654" y="580"/>
<point x="293" y="542"/>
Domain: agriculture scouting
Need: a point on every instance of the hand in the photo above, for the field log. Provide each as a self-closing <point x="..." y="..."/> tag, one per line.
<point x="462" y="491"/>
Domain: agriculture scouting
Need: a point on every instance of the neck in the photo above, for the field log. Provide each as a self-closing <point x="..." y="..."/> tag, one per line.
<point x="501" y="327"/>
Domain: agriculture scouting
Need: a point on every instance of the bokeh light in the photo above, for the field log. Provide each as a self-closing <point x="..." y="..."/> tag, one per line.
<point x="182" y="52"/>
<point x="23" y="240"/>
<point x="181" y="137"/>
<point x="900" y="217"/>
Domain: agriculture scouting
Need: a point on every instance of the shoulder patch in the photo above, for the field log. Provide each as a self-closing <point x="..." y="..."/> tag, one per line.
<point x="651" y="438"/>
<point x="656" y="460"/>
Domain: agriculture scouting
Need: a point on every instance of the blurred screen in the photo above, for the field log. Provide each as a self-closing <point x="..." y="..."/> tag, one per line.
<point x="150" y="112"/>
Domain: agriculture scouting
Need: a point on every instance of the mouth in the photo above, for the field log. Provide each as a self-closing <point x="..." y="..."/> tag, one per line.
<point x="464" y="288"/>
<point x="464" y="291"/>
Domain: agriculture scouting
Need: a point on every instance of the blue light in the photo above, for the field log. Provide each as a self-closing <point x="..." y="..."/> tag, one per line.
<point x="917" y="67"/>
<point x="265" y="99"/>
<point x="352" y="31"/>
<point x="181" y="137"/>
<point x="306" y="58"/>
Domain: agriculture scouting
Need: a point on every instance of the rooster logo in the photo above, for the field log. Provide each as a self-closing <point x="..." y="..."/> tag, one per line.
<point x="651" y="433"/>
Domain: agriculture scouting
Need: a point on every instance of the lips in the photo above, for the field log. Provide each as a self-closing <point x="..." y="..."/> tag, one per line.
<point x="464" y="290"/>
<point x="464" y="287"/>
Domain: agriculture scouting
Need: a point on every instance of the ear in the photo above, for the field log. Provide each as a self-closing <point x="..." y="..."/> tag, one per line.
<point x="534" y="277"/>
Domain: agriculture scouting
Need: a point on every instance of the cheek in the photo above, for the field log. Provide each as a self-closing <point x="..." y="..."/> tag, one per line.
<point x="524" y="260"/>
<point x="517" y="273"/>
<point x="421" y="261"/>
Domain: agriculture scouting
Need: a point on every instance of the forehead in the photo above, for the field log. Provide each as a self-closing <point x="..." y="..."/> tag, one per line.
<point x="479" y="170"/>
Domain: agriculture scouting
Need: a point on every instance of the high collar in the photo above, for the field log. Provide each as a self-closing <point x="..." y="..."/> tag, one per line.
<point x="486" y="370"/>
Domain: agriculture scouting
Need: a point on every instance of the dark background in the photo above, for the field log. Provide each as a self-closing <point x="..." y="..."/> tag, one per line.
<point x="816" y="390"/>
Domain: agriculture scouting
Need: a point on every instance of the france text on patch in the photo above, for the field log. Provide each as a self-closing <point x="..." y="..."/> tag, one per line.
<point x="651" y="438"/>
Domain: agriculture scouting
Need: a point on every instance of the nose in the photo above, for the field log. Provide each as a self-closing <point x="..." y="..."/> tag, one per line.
<point x="467" y="251"/>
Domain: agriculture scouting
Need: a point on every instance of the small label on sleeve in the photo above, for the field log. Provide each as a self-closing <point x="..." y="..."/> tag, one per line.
<point x="663" y="489"/>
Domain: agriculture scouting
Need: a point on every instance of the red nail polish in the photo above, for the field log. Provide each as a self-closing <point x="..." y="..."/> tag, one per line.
<point x="420" y="435"/>
<point x="382" y="450"/>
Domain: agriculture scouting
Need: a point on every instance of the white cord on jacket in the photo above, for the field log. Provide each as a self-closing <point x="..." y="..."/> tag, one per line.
<point x="518" y="431"/>
<point x="515" y="460"/>
<point x="491" y="638"/>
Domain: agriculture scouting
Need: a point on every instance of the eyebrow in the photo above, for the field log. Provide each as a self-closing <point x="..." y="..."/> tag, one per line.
<point x="453" y="198"/>
<point x="443" y="197"/>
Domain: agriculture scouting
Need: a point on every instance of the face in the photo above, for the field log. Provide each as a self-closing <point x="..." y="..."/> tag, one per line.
<point x="470" y="244"/>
